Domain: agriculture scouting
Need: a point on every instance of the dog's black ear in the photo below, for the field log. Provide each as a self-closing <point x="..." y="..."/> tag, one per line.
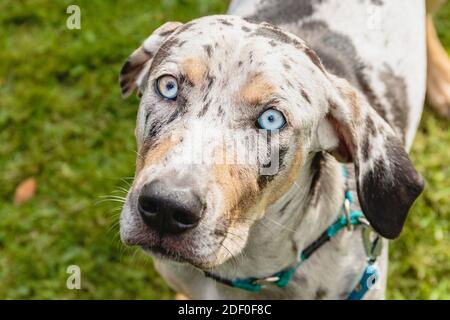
<point x="387" y="182"/>
<point x="139" y="62"/>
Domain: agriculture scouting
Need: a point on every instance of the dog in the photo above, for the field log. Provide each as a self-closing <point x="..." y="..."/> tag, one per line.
<point x="337" y="87"/>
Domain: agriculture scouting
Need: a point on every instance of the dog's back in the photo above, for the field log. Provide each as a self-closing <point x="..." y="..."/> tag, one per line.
<point x="377" y="45"/>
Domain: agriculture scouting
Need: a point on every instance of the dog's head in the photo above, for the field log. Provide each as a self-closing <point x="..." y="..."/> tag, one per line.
<point x="214" y="89"/>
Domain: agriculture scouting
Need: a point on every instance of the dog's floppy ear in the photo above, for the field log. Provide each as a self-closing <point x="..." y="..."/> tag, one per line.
<point x="386" y="180"/>
<point x="138" y="63"/>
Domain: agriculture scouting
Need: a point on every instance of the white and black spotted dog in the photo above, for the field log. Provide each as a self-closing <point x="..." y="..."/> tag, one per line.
<point x="336" y="82"/>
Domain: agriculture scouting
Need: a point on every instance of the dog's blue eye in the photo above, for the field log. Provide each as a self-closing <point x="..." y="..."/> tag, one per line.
<point x="167" y="86"/>
<point x="271" y="119"/>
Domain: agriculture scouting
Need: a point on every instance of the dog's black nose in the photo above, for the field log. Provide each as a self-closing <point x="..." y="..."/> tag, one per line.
<point x="169" y="210"/>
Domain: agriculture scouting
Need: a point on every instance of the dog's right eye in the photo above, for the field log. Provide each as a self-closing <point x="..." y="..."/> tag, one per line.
<point x="167" y="87"/>
<point x="271" y="119"/>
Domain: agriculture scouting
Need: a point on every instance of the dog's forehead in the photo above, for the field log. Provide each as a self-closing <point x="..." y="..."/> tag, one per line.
<point x="231" y="40"/>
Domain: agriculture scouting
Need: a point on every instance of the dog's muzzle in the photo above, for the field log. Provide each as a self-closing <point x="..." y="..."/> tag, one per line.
<point x="169" y="209"/>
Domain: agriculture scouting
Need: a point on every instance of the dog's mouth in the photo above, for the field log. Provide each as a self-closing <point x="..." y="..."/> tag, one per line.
<point x="163" y="252"/>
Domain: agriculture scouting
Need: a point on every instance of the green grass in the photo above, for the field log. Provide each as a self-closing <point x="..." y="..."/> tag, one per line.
<point x="62" y="121"/>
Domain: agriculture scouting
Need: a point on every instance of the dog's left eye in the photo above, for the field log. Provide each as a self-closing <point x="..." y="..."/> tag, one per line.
<point x="271" y="119"/>
<point x="167" y="86"/>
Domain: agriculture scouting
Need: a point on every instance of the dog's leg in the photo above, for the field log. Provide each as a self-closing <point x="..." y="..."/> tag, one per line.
<point x="438" y="74"/>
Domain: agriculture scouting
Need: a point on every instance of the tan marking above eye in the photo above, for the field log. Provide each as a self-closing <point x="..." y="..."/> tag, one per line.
<point x="195" y="70"/>
<point x="257" y="89"/>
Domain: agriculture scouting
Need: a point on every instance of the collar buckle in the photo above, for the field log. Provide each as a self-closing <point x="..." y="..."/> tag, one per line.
<point x="347" y="214"/>
<point x="265" y="281"/>
<point x="373" y="244"/>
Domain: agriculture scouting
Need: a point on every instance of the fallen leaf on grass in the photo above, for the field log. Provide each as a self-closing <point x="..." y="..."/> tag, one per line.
<point x="25" y="191"/>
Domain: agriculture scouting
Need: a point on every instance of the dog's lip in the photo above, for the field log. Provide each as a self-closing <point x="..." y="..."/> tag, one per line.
<point x="161" y="252"/>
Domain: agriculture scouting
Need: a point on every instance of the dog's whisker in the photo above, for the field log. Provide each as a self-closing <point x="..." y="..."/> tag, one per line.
<point x="109" y="200"/>
<point x="123" y="189"/>
<point x="125" y="180"/>
<point x="120" y="191"/>
<point x="112" y="197"/>
<point x="232" y="257"/>
<point x="280" y="225"/>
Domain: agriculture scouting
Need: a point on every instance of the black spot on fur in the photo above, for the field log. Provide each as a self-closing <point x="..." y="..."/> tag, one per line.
<point x="320" y="294"/>
<point x="206" y="97"/>
<point x="220" y="233"/>
<point x="367" y="90"/>
<point x="286" y="65"/>
<point x="396" y="95"/>
<point x="220" y="112"/>
<point x="365" y="148"/>
<point x="305" y="96"/>
<point x="370" y="126"/>
<point x="314" y="58"/>
<point x="377" y="2"/>
<point x="289" y="83"/>
<point x="251" y="20"/>
<point x="186" y="27"/>
<point x="166" y="33"/>
<point x="245" y="29"/>
<point x="272" y="33"/>
<point x="204" y="109"/>
<point x="178" y="113"/>
<point x="284" y="12"/>
<point x="317" y="164"/>
<point x="225" y="22"/>
<point x="155" y="128"/>
<point x="284" y="207"/>
<point x="210" y="79"/>
<point x="208" y="49"/>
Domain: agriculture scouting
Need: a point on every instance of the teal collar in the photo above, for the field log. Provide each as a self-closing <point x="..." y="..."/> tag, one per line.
<point x="348" y="219"/>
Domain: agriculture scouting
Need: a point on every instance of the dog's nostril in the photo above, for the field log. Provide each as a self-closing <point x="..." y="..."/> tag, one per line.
<point x="169" y="210"/>
<point x="185" y="217"/>
<point x="147" y="204"/>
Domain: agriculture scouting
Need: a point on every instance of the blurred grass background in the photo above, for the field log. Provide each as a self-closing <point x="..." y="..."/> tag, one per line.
<point x="63" y="122"/>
